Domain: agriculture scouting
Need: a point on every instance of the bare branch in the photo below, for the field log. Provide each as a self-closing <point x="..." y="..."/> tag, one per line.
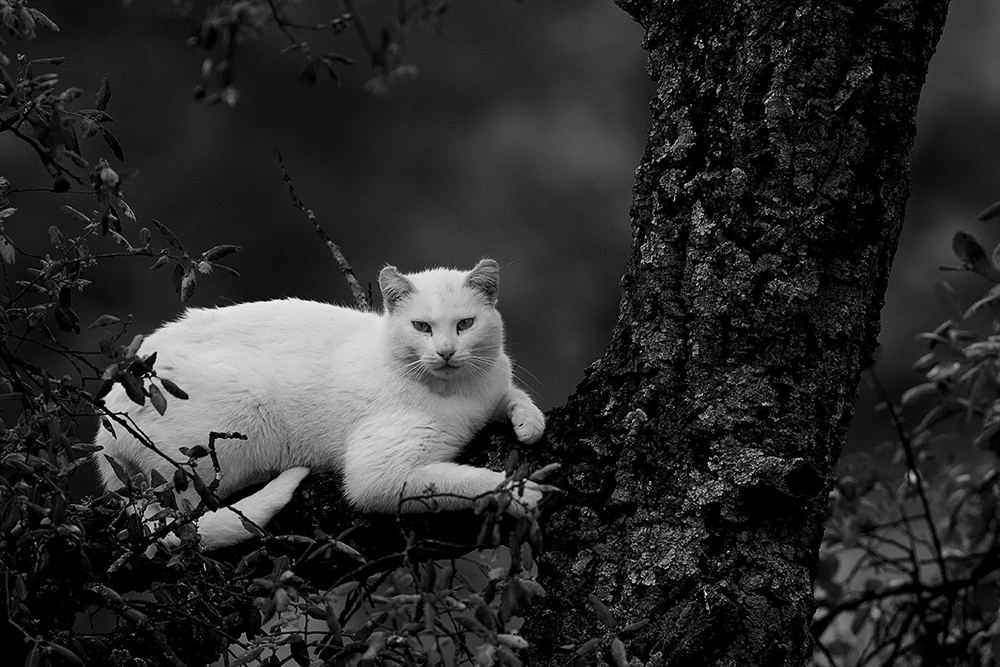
<point x="359" y="294"/>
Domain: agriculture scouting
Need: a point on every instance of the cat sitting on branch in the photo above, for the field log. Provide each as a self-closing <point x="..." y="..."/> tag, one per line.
<point x="387" y="399"/>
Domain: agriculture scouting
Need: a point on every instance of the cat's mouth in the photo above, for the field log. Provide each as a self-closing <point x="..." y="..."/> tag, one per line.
<point x="445" y="369"/>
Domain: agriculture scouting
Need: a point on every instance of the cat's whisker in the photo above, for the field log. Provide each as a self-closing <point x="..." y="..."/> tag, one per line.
<point x="518" y="368"/>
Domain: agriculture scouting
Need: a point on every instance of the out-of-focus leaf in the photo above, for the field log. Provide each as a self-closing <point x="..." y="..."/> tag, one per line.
<point x="104" y="321"/>
<point x="602" y="612"/>
<point x="913" y="393"/>
<point x="972" y="256"/>
<point x="618" y="654"/>
<point x="992" y="298"/>
<point x="990" y="212"/>
<point x="112" y="141"/>
<point x="587" y="647"/>
<point x="947" y="294"/>
<point x="103" y="95"/>
<point x="7" y="250"/>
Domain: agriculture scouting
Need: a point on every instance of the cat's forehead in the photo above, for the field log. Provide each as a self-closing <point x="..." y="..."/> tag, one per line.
<point x="443" y="293"/>
<point x="438" y="281"/>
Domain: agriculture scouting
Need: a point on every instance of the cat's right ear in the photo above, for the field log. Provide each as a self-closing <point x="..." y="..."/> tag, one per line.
<point x="395" y="287"/>
<point x="485" y="279"/>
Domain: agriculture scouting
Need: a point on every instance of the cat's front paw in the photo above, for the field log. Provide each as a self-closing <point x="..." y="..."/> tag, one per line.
<point x="528" y="421"/>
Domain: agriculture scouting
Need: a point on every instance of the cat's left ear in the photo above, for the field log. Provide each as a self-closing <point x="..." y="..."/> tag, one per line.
<point x="395" y="287"/>
<point x="485" y="279"/>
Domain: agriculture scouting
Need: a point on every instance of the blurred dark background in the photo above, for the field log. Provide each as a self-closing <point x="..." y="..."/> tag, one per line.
<point x="518" y="140"/>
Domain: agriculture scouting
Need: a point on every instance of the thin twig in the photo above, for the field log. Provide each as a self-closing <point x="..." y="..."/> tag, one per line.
<point x="359" y="294"/>
<point x="911" y="463"/>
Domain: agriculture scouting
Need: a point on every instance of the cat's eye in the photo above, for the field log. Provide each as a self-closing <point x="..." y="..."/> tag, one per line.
<point x="422" y="327"/>
<point x="465" y="324"/>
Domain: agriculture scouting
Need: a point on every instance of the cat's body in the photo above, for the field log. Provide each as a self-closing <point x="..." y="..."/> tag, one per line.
<point x="386" y="399"/>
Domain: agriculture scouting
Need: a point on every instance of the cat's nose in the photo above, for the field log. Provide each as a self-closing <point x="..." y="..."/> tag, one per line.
<point x="446" y="354"/>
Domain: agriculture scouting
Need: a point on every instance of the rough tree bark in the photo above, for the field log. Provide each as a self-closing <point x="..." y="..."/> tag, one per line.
<point x="766" y="212"/>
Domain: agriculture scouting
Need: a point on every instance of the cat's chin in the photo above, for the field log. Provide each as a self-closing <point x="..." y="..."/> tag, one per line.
<point x="444" y="373"/>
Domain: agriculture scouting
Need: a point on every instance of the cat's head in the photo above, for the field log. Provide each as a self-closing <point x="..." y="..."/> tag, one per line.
<point x="442" y="325"/>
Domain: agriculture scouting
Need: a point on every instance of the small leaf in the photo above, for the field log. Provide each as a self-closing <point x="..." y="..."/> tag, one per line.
<point x="220" y="251"/>
<point x="168" y="235"/>
<point x="333" y="624"/>
<point x="992" y="297"/>
<point x="512" y="641"/>
<point x="89" y="127"/>
<point x="112" y="142"/>
<point x="65" y="654"/>
<point x="103" y="95"/>
<point x="77" y="215"/>
<point x="972" y="255"/>
<point x="67" y="320"/>
<point x="124" y="207"/>
<point x="173" y="389"/>
<point x="990" y="212"/>
<point x="588" y="646"/>
<point x="56" y="237"/>
<point x="603" y="614"/>
<point x="133" y="346"/>
<point x="6" y="213"/>
<point x="635" y="627"/>
<point x="180" y="480"/>
<point x="119" y="471"/>
<point x="308" y="74"/>
<point x="156" y="478"/>
<point x="544" y="472"/>
<point x="46" y="22"/>
<point x="196" y="452"/>
<point x="188" y="283"/>
<point x="157" y="399"/>
<point x="133" y="388"/>
<point x="206" y="496"/>
<point x="159" y="263"/>
<point x="104" y="321"/>
<point x="618" y="655"/>
<point x="7" y="250"/>
<point x="947" y="293"/>
<point x="919" y="391"/>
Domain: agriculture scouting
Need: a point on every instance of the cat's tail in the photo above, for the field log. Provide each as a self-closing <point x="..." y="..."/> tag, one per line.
<point x="224" y="527"/>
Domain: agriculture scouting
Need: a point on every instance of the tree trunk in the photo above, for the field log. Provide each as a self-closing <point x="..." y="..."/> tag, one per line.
<point x="766" y="212"/>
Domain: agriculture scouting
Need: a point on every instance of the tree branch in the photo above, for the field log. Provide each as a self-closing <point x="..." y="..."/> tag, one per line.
<point x="359" y="294"/>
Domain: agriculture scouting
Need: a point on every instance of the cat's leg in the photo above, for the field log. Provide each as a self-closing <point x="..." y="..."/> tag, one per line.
<point x="387" y="463"/>
<point x="447" y="486"/>
<point x="527" y="420"/>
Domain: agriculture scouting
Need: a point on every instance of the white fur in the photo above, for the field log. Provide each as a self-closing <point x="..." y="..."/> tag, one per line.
<point x="321" y="387"/>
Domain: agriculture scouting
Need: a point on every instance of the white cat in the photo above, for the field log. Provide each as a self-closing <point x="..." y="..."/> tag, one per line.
<point x="386" y="399"/>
